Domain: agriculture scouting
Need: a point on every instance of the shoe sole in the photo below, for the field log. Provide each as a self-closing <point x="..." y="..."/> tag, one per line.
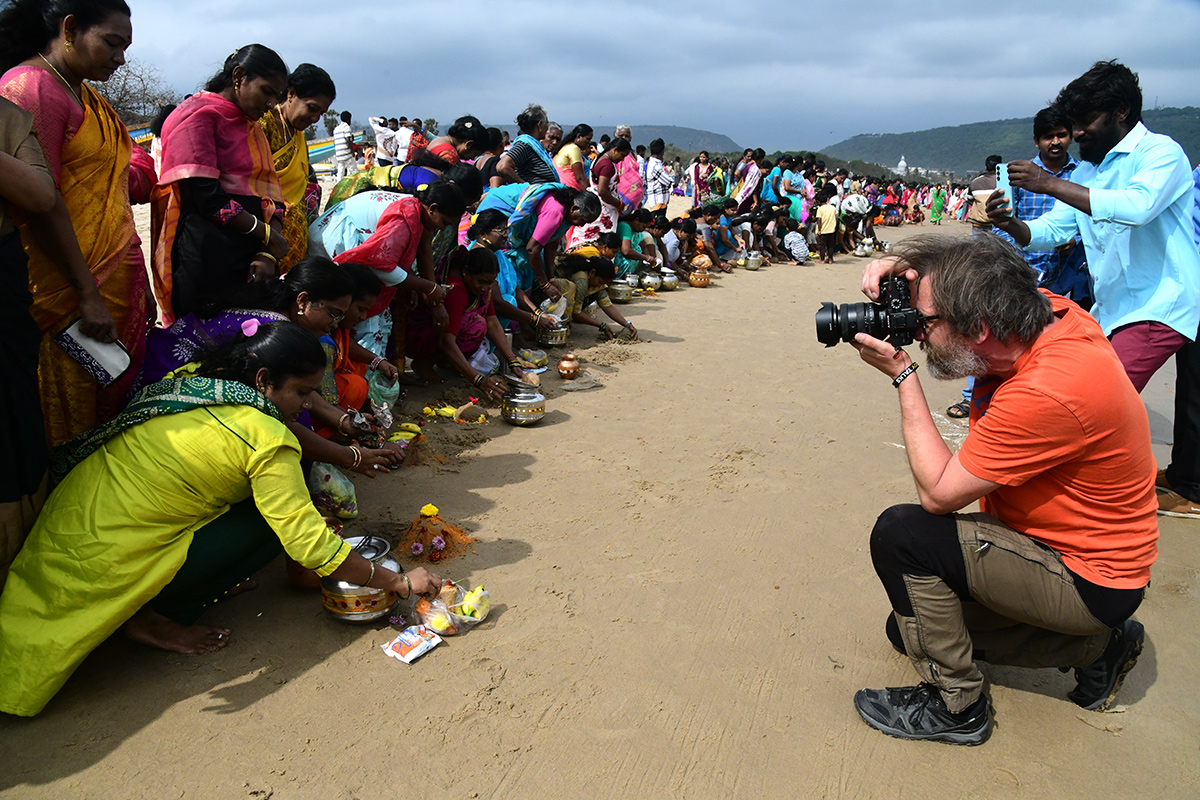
<point x="968" y="739"/>
<point x="1131" y="659"/>
<point x="1180" y="514"/>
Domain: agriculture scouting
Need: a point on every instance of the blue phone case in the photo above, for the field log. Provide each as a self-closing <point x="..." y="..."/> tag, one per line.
<point x="1002" y="185"/>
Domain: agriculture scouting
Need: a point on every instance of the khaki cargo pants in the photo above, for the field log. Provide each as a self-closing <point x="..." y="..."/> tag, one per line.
<point x="1027" y="613"/>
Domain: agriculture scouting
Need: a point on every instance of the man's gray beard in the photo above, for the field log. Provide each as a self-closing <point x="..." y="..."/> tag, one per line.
<point x="953" y="361"/>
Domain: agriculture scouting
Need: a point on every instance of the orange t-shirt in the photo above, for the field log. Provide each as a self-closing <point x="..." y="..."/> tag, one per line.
<point x="1066" y="436"/>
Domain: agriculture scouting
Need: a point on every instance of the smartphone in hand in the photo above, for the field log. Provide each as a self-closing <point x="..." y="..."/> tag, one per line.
<point x="1002" y="185"/>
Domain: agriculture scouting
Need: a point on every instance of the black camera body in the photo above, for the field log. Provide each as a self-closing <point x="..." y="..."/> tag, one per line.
<point x="892" y="318"/>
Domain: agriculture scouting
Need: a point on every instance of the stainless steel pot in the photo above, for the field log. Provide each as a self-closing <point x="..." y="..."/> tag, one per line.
<point x="670" y="281"/>
<point x="651" y="281"/>
<point x="523" y="406"/>
<point x="754" y="261"/>
<point x="353" y="603"/>
<point x="554" y="336"/>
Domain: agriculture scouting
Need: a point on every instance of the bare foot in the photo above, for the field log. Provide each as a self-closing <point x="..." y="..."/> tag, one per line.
<point x="151" y="628"/>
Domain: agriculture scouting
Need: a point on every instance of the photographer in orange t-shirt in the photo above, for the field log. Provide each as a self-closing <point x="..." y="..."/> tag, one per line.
<point x="1058" y="455"/>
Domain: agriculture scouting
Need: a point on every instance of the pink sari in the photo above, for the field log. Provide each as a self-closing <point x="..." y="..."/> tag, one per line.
<point x="208" y="136"/>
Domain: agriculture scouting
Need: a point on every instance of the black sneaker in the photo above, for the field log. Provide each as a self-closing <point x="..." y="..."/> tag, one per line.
<point x="1097" y="684"/>
<point x="918" y="712"/>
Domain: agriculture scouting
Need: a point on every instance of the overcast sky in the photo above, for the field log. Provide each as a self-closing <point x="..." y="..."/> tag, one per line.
<point x="775" y="74"/>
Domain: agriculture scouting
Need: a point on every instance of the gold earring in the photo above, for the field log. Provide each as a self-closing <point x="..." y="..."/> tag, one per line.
<point x="70" y="44"/>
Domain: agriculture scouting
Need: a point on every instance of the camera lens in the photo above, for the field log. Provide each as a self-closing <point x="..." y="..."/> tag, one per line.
<point x="840" y="323"/>
<point x="827" y="324"/>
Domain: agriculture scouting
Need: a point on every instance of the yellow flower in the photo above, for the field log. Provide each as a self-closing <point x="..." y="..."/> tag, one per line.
<point x="429" y="510"/>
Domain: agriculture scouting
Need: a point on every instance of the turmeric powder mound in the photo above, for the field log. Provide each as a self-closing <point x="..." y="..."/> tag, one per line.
<point x="430" y="536"/>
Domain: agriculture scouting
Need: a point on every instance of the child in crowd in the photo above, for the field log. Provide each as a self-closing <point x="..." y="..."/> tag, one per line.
<point x="795" y="243"/>
<point x="827" y="222"/>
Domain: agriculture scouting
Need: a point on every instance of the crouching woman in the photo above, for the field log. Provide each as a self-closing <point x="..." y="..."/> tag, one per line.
<point x="127" y="539"/>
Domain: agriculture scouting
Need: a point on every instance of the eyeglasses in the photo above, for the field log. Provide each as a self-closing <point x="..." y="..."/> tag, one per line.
<point x="333" y="315"/>
<point x="923" y="321"/>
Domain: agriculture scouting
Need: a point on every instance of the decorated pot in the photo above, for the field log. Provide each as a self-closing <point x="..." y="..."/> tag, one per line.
<point x="352" y="603"/>
<point x="568" y="367"/>
<point x="651" y="281"/>
<point x="522" y="406"/>
<point x="554" y="336"/>
<point x="620" y="292"/>
<point x="670" y="281"/>
<point x="699" y="278"/>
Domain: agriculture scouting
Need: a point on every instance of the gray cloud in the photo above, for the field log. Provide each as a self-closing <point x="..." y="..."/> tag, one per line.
<point x="775" y="74"/>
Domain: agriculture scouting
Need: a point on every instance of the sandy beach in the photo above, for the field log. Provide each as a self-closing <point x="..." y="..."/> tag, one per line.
<point x="683" y="606"/>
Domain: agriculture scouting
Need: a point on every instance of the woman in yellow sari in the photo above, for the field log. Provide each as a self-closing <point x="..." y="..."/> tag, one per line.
<point x="85" y="258"/>
<point x="309" y="93"/>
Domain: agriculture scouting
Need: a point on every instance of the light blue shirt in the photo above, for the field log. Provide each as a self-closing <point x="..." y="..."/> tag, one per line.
<point x="1196" y="210"/>
<point x="1138" y="239"/>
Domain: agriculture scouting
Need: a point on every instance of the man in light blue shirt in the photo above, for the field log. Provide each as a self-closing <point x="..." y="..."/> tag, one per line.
<point x="1130" y="200"/>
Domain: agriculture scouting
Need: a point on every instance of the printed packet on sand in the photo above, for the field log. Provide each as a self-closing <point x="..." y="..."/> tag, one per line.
<point x="412" y="643"/>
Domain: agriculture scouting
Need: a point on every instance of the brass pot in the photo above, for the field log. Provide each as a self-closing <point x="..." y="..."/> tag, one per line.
<point x="620" y="292"/>
<point x="568" y="367"/>
<point x="699" y="279"/>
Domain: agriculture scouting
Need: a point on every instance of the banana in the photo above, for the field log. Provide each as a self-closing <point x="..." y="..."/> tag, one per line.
<point x="475" y="604"/>
<point x="410" y="427"/>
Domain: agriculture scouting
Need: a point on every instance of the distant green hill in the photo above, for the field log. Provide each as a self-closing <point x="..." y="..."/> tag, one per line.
<point x="961" y="149"/>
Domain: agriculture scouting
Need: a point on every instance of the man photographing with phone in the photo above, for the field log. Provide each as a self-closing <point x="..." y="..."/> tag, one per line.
<point x="1130" y="200"/>
<point x="1051" y="571"/>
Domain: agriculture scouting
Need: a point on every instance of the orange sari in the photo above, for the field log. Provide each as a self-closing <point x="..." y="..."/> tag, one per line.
<point x="94" y="182"/>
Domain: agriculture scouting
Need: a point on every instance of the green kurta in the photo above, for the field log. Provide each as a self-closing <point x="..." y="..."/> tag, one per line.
<point x="117" y="529"/>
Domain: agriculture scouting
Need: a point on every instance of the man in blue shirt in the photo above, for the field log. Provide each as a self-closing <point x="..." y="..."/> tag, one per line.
<point x="1063" y="270"/>
<point x="1130" y="200"/>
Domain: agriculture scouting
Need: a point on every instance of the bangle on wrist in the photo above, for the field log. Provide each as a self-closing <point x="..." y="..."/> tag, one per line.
<point x="357" y="453"/>
<point x="267" y="256"/>
<point x="372" y="575"/>
<point x="266" y="234"/>
<point x="408" y="583"/>
<point x="603" y="327"/>
<point x="477" y="380"/>
<point x="340" y="421"/>
<point x="909" y="370"/>
<point x="375" y="362"/>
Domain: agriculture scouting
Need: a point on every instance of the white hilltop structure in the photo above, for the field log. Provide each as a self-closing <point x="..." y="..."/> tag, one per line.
<point x="902" y="166"/>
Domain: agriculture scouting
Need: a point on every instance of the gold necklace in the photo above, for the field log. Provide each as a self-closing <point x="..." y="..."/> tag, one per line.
<point x="284" y="125"/>
<point x="78" y="97"/>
